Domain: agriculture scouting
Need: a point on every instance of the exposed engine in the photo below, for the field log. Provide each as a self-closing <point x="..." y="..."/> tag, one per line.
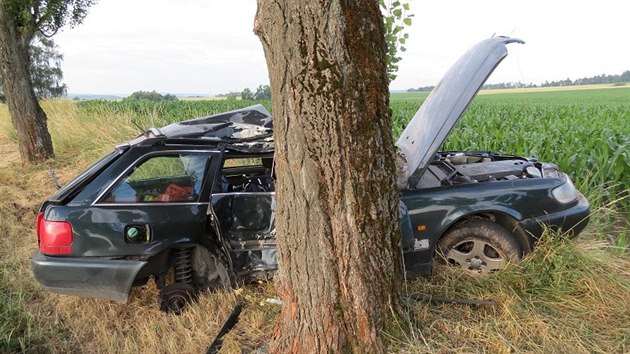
<point x="452" y="168"/>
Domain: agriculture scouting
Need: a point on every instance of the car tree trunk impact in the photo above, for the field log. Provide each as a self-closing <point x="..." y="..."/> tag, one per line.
<point x="337" y="201"/>
<point x="29" y="120"/>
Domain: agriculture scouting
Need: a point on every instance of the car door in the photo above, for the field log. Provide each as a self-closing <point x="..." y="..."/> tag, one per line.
<point x="244" y="208"/>
<point x="157" y="203"/>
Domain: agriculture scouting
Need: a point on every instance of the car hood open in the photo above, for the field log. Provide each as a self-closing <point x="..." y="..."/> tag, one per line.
<point x="446" y="103"/>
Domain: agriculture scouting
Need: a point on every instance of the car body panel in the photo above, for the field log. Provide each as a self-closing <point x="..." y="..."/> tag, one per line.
<point x="571" y="220"/>
<point x="252" y="122"/>
<point x="236" y="224"/>
<point x="437" y="209"/>
<point x="444" y="106"/>
<point x="109" y="279"/>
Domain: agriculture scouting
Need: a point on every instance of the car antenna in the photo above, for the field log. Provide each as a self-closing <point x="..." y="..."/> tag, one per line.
<point x="142" y="130"/>
<point x="55" y="178"/>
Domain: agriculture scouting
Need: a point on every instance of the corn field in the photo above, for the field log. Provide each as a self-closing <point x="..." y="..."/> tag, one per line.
<point x="585" y="132"/>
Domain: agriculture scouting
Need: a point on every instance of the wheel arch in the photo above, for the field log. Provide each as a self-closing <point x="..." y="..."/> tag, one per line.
<point x="507" y="221"/>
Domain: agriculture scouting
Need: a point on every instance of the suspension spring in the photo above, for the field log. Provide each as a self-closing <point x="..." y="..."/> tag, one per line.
<point x="183" y="266"/>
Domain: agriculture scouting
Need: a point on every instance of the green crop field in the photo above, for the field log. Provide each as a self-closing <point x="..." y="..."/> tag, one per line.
<point x="567" y="296"/>
<point x="585" y="132"/>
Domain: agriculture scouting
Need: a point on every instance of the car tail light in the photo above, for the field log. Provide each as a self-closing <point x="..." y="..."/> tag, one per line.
<point x="55" y="237"/>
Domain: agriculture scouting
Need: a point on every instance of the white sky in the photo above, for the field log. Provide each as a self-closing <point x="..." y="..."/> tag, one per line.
<point x="207" y="46"/>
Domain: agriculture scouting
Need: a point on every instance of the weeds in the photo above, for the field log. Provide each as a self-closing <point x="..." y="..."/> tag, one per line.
<point x="567" y="296"/>
<point x="564" y="297"/>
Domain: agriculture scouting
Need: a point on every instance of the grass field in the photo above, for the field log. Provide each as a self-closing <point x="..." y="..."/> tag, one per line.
<point x="568" y="296"/>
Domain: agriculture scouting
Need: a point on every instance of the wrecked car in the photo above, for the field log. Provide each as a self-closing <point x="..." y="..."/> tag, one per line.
<point x="191" y="204"/>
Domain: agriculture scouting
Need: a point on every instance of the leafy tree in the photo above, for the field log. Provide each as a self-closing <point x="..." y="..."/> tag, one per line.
<point x="263" y="92"/>
<point x="337" y="213"/>
<point x="232" y="95"/>
<point x="247" y="95"/>
<point x="151" y="96"/>
<point x="397" y="19"/>
<point x="20" y="20"/>
<point x="45" y="69"/>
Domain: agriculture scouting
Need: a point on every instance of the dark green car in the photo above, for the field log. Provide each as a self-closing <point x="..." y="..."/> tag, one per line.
<point x="196" y="198"/>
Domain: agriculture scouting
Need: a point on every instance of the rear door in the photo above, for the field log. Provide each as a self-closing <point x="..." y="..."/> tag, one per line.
<point x="158" y="202"/>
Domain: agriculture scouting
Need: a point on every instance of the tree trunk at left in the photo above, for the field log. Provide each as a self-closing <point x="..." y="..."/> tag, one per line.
<point x="29" y="120"/>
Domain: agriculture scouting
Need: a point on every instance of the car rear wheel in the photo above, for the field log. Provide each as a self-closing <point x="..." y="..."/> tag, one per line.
<point x="479" y="247"/>
<point x="175" y="297"/>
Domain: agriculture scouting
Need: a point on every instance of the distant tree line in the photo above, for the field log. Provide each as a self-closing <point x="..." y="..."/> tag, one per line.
<point x="150" y="95"/>
<point x="599" y="79"/>
<point x="230" y="95"/>
<point x="263" y="92"/>
<point x="421" y="89"/>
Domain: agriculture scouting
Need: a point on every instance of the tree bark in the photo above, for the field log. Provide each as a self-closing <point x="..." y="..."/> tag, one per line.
<point x="337" y="202"/>
<point x="29" y="120"/>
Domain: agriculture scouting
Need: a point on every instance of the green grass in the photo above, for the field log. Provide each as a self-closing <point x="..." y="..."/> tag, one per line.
<point x="16" y="325"/>
<point x="543" y="304"/>
<point x="148" y="114"/>
<point x="567" y="296"/>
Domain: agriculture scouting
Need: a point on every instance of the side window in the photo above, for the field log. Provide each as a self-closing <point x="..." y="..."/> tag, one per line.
<point x="168" y="178"/>
<point x="250" y="174"/>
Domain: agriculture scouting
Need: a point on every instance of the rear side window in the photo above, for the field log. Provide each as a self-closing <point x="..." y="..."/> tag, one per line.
<point x="168" y="178"/>
<point x="71" y="189"/>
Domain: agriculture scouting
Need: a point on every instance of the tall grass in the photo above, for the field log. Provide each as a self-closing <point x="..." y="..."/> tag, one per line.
<point x="148" y="114"/>
<point x="565" y="297"/>
<point x="568" y="296"/>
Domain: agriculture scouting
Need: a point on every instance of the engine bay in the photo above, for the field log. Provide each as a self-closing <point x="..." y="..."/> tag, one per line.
<point x="453" y="168"/>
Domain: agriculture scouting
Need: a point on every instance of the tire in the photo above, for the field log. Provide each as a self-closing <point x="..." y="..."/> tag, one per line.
<point x="175" y="297"/>
<point x="479" y="247"/>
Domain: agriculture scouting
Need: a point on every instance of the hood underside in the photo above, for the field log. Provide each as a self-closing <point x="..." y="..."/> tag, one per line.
<point x="446" y="103"/>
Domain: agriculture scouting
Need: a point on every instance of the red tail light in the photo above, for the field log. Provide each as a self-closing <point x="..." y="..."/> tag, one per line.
<point x="55" y="237"/>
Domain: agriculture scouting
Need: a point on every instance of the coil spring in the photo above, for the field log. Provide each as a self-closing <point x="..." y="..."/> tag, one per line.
<point x="183" y="266"/>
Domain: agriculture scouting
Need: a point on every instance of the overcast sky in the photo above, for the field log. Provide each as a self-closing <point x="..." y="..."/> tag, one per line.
<point x="207" y="46"/>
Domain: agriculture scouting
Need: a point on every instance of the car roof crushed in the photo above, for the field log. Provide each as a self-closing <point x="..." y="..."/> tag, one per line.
<point x="247" y="129"/>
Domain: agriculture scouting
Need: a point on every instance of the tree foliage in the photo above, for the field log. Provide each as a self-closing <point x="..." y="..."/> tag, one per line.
<point x="263" y="92"/>
<point x="45" y="68"/>
<point x="396" y="19"/>
<point x="46" y="72"/>
<point x="151" y="96"/>
<point x="45" y="16"/>
<point x="247" y="94"/>
<point x="20" y="20"/>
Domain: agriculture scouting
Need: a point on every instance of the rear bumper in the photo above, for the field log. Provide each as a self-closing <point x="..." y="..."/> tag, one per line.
<point x="109" y="279"/>
<point x="572" y="220"/>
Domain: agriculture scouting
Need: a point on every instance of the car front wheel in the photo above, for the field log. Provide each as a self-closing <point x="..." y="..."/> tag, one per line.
<point x="479" y="247"/>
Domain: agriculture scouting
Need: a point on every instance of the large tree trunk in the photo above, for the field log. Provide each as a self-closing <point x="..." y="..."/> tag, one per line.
<point x="29" y="120"/>
<point x="337" y="202"/>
